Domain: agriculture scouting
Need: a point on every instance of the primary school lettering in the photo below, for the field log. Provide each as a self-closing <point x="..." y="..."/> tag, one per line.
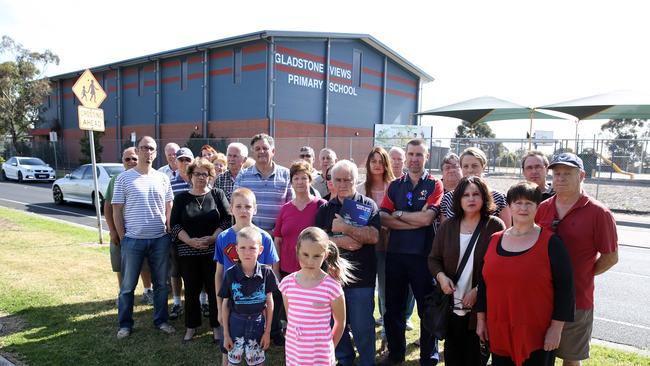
<point x="317" y="67"/>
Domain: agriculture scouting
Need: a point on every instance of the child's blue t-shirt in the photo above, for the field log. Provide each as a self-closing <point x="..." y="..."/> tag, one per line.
<point x="225" y="251"/>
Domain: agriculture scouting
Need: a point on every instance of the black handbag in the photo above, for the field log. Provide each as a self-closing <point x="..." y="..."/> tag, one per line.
<point x="437" y="304"/>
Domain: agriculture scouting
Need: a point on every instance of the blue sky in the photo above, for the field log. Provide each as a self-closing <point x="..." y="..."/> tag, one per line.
<point x="531" y="53"/>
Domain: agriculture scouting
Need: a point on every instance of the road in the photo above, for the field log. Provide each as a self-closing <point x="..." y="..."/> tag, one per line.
<point x="37" y="198"/>
<point x="622" y="294"/>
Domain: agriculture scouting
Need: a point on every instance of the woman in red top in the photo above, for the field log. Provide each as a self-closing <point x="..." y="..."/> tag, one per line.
<point x="526" y="292"/>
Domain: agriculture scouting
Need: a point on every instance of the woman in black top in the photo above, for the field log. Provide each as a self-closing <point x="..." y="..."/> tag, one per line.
<point x="197" y="217"/>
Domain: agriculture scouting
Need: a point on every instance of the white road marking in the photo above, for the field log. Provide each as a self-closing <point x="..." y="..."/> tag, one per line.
<point x="622" y="323"/>
<point x="629" y="274"/>
<point x="48" y="208"/>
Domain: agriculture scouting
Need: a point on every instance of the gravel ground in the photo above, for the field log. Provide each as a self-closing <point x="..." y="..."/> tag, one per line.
<point x="617" y="195"/>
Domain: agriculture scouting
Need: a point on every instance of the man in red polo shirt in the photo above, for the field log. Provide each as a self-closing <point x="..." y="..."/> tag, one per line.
<point x="588" y="231"/>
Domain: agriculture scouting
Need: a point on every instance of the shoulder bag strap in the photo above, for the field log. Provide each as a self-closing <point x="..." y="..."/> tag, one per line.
<point x="469" y="249"/>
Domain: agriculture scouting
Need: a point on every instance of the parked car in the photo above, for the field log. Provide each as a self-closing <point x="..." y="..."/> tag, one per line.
<point x="27" y="169"/>
<point x="78" y="186"/>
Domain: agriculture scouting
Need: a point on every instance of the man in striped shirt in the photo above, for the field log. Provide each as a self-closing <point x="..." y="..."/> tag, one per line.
<point x="269" y="181"/>
<point x="142" y="203"/>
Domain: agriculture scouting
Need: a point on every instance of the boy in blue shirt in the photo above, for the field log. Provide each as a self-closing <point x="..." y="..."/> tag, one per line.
<point x="247" y="302"/>
<point x="243" y="207"/>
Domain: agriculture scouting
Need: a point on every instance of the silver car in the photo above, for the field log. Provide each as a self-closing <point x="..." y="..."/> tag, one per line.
<point x="27" y="169"/>
<point x="78" y="186"/>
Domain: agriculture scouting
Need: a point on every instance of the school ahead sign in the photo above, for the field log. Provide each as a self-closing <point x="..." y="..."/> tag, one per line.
<point x="91" y="95"/>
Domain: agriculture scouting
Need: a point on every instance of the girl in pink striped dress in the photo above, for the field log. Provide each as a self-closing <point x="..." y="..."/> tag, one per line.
<point x="312" y="297"/>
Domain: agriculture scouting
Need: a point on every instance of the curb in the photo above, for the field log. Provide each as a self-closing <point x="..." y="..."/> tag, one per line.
<point x="5" y="362"/>
<point x="621" y="347"/>
<point x="642" y="225"/>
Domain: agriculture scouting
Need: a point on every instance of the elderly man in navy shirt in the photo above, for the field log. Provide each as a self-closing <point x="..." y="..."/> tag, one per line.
<point x="408" y="209"/>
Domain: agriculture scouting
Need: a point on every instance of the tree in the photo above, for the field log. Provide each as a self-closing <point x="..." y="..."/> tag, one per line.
<point x="474" y="130"/>
<point x="626" y="150"/>
<point x="85" y="147"/>
<point x="22" y="88"/>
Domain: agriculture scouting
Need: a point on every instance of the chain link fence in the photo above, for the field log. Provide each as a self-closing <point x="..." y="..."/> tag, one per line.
<point x="618" y="171"/>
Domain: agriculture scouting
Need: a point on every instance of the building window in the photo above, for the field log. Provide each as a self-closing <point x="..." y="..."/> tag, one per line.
<point x="140" y="81"/>
<point x="356" y="68"/>
<point x="49" y="100"/>
<point x="237" y="61"/>
<point x="184" y="74"/>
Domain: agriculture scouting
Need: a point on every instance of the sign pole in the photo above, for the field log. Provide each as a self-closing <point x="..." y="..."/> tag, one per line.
<point x="91" y="118"/>
<point x="98" y="203"/>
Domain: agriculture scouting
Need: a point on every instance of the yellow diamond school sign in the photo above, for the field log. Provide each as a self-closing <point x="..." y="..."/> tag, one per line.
<point x="89" y="92"/>
<point x="91" y="95"/>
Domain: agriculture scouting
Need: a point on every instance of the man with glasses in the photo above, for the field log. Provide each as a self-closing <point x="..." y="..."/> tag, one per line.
<point x="236" y="155"/>
<point x="129" y="160"/>
<point x="451" y="172"/>
<point x="170" y="154"/>
<point x="142" y="203"/>
<point x="409" y="207"/>
<point x="181" y="183"/>
<point x="588" y="231"/>
<point x="357" y="245"/>
<point x="306" y="153"/>
<point x="534" y="166"/>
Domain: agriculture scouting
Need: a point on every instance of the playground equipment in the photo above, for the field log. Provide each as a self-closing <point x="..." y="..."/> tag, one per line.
<point x="616" y="168"/>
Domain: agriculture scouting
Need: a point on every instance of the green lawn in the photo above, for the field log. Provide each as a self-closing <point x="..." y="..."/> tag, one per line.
<point x="58" y="306"/>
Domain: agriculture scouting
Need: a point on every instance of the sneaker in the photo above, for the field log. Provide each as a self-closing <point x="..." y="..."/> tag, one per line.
<point x="205" y="309"/>
<point x="166" y="328"/>
<point x="175" y="312"/>
<point x="409" y="325"/>
<point x="147" y="298"/>
<point x="123" y="333"/>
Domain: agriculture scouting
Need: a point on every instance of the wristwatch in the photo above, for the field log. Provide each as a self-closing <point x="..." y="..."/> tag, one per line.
<point x="399" y="213"/>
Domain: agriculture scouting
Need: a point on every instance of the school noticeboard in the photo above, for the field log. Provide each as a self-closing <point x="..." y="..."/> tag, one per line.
<point x="388" y="136"/>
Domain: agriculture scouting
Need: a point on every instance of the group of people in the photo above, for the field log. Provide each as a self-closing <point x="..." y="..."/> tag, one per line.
<point x="259" y="244"/>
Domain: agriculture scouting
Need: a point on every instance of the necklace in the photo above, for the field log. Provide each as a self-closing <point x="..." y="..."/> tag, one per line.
<point x="513" y="233"/>
<point x="200" y="203"/>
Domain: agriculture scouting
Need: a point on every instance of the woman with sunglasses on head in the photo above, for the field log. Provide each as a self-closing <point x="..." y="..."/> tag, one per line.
<point x="468" y="231"/>
<point x="526" y="289"/>
<point x="197" y="217"/>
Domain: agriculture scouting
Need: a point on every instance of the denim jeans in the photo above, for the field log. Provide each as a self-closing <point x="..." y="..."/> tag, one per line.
<point x="360" y="306"/>
<point x="134" y="251"/>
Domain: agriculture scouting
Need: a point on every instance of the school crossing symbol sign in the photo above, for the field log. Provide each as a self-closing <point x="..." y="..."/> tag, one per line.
<point x="89" y="92"/>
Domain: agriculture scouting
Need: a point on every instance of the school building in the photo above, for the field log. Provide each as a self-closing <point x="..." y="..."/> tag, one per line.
<point x="325" y="89"/>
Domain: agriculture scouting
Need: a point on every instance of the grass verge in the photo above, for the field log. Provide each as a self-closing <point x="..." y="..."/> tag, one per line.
<point x="58" y="306"/>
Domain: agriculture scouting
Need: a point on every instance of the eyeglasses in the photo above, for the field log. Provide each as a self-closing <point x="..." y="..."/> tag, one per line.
<point x="555" y="224"/>
<point x="458" y="305"/>
<point x="342" y="180"/>
<point x="409" y="199"/>
<point x="184" y="160"/>
<point x="130" y="159"/>
<point x="200" y="175"/>
<point x="147" y="148"/>
<point x="303" y="156"/>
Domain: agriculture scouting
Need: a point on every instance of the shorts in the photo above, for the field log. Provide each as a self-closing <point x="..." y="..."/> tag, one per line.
<point x="174" y="271"/>
<point x="116" y="259"/>
<point x="246" y="333"/>
<point x="574" y="344"/>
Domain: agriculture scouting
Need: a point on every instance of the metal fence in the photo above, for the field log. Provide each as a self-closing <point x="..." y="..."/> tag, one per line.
<point x="618" y="171"/>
